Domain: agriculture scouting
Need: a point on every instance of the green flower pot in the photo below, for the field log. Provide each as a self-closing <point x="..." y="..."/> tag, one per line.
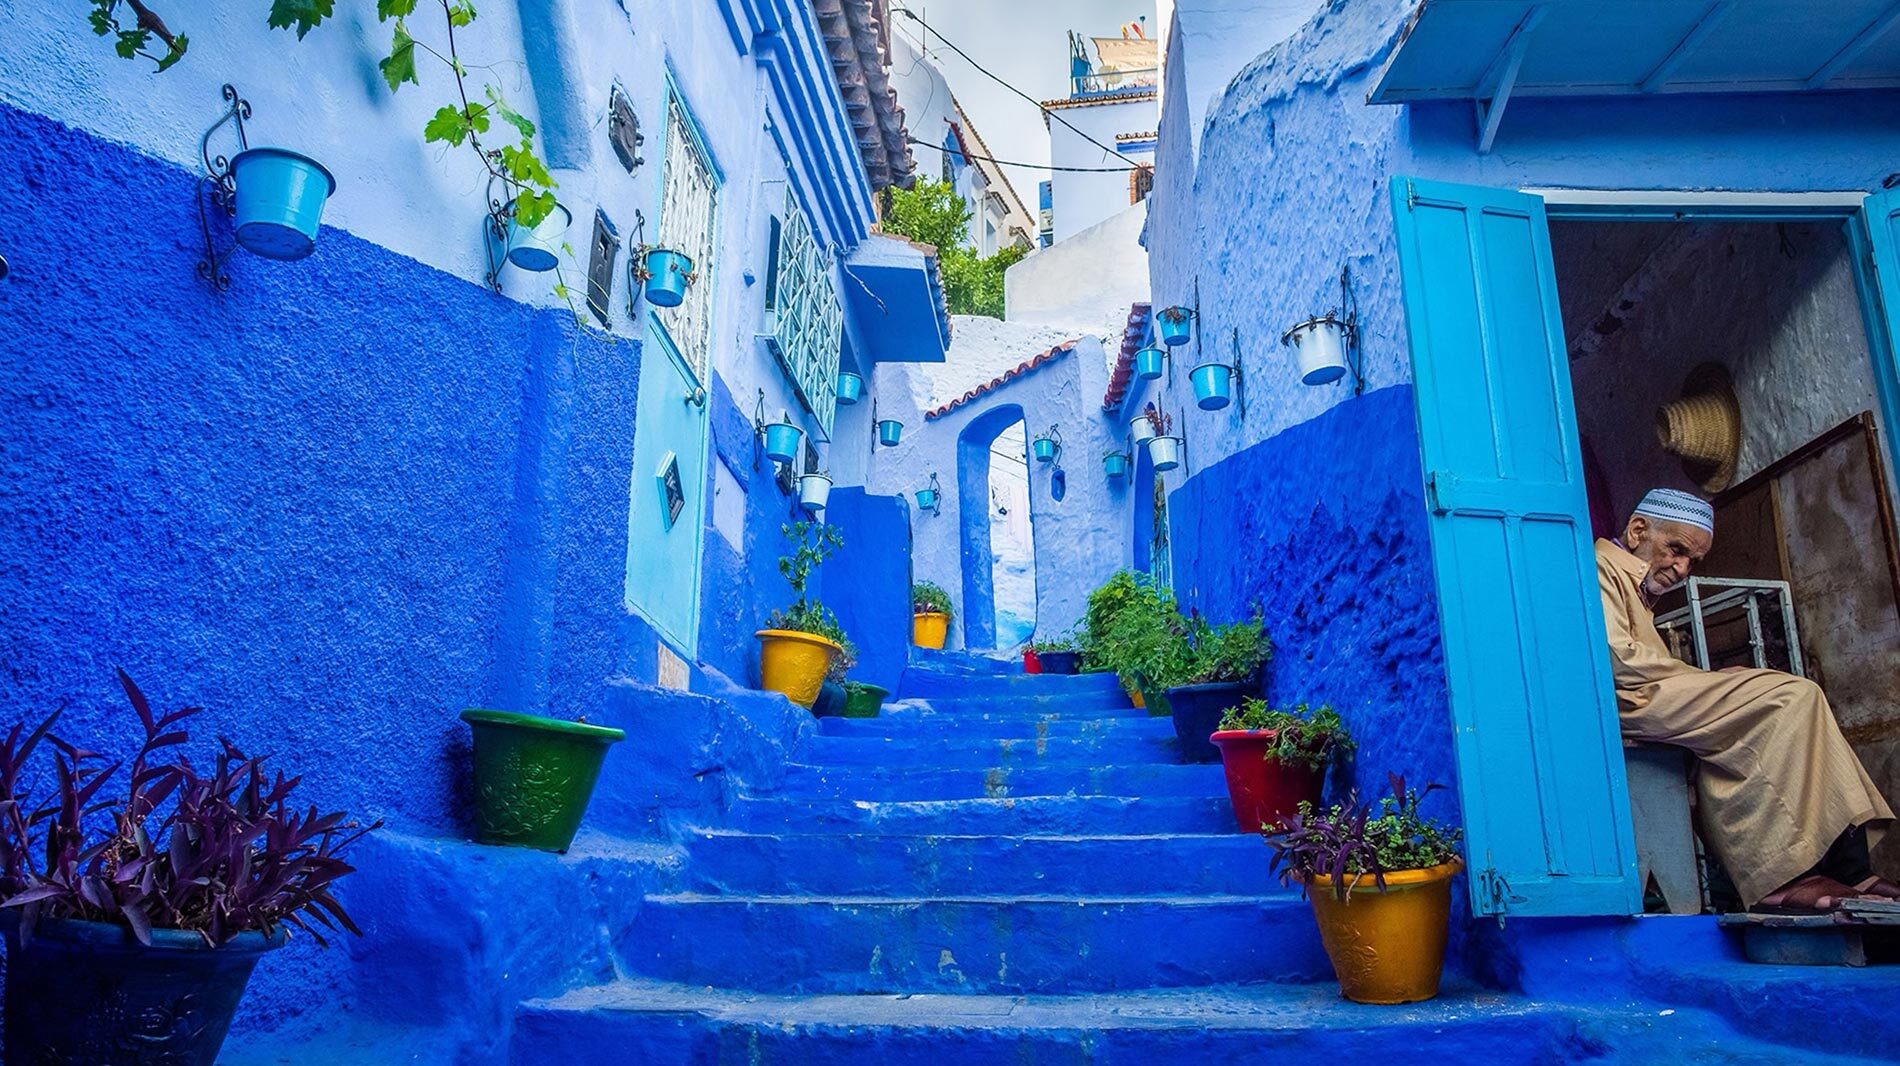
<point x="534" y="776"/>
<point x="863" y="701"/>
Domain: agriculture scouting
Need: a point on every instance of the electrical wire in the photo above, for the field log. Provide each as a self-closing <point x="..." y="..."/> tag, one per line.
<point x="1037" y="166"/>
<point x="1046" y="112"/>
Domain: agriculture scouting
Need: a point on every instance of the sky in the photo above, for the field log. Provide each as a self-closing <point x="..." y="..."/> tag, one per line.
<point x="1025" y="42"/>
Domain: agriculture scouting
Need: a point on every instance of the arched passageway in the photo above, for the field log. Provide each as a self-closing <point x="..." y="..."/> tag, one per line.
<point x="996" y="535"/>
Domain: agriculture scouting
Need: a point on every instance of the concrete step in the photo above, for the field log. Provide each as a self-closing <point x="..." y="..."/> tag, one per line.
<point x="731" y="863"/>
<point x="887" y="783"/>
<point x="1097" y="748"/>
<point x="924" y="682"/>
<point x="978" y="944"/>
<point x="1069" y="706"/>
<point x="1072" y="815"/>
<point x="1006" y="726"/>
<point x="652" y="1022"/>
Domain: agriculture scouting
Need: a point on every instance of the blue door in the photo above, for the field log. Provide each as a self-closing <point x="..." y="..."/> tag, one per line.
<point x="666" y="503"/>
<point x="1883" y="231"/>
<point x="1540" y="757"/>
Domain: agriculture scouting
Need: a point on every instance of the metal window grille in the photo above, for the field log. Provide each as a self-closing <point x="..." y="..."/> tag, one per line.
<point x="687" y="210"/>
<point x="806" y="333"/>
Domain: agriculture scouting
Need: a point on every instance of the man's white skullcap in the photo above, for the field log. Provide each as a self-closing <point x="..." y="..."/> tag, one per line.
<point x="1671" y="505"/>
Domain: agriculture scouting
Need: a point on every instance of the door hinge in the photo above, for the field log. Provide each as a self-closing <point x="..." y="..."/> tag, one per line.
<point x="1494" y="893"/>
<point x="1440" y="488"/>
<point x="1411" y="195"/>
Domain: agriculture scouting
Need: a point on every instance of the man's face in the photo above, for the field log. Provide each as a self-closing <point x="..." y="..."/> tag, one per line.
<point x="1670" y="548"/>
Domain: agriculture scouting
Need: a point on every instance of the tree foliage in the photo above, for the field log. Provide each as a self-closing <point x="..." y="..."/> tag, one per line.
<point x="931" y="212"/>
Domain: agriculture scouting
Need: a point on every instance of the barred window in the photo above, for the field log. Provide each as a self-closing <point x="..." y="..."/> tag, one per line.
<point x="806" y="328"/>
<point x="1141" y="182"/>
<point x="687" y="210"/>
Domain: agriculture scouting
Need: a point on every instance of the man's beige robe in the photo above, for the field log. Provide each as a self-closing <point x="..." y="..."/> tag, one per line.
<point x="1777" y="783"/>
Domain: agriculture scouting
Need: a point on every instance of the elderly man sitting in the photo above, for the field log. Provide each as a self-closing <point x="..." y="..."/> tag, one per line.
<point x="1785" y="804"/>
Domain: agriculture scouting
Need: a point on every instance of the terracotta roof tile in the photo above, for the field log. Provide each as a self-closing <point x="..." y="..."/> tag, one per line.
<point x="1133" y="334"/>
<point x="1031" y="365"/>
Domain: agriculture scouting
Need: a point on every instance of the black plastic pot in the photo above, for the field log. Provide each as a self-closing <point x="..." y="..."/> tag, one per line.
<point x="830" y="701"/>
<point x="1197" y="710"/>
<point x="1060" y="662"/>
<point x="90" y="992"/>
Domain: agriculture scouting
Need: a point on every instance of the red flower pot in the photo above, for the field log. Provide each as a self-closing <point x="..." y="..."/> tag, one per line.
<point x="1264" y="790"/>
<point x="1032" y="664"/>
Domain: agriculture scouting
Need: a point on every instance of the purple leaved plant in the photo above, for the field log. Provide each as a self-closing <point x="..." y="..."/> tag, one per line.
<point x="1348" y="842"/>
<point x="227" y="855"/>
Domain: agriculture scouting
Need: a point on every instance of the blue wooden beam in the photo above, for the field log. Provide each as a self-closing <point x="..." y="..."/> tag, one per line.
<point x="1861" y="42"/>
<point x="1494" y="89"/>
<point x="1696" y="35"/>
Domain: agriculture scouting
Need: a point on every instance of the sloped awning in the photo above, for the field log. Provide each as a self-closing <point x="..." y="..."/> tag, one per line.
<point x="1491" y="51"/>
<point x="895" y="295"/>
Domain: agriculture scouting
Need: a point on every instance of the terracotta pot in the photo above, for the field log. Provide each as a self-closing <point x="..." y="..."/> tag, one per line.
<point x="1386" y="947"/>
<point x="1264" y="790"/>
<point x="928" y="629"/>
<point x="794" y="663"/>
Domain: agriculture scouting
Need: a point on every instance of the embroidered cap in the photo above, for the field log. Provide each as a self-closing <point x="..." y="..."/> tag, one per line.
<point x="1671" y="505"/>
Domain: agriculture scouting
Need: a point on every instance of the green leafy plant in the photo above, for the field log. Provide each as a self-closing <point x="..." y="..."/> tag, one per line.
<point x="1136" y="631"/>
<point x="1223" y="653"/>
<point x="928" y="597"/>
<point x="1302" y="736"/>
<point x="1346" y="842"/>
<point x="136" y="42"/>
<point x="813" y="543"/>
<point x="932" y="212"/>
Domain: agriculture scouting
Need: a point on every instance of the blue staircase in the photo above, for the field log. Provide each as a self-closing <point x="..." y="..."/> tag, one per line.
<point x="1010" y="869"/>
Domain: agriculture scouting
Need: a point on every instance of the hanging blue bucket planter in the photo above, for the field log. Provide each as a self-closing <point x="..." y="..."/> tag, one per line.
<point x="781" y="441"/>
<point x="1148" y="363"/>
<point x="927" y="500"/>
<point x="1165" y="452"/>
<point x="889" y="431"/>
<point x="850" y="387"/>
<point x="1115" y="465"/>
<point x="1045" y="449"/>
<point x="1175" y="325"/>
<point x="668" y="274"/>
<point x="538" y="249"/>
<point x="280" y="197"/>
<point x="1213" y="385"/>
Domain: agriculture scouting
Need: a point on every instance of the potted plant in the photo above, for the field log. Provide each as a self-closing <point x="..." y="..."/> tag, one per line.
<point x="1276" y="760"/>
<point x="1115" y="463"/>
<point x="1048" y="445"/>
<point x="1173" y="324"/>
<point x="863" y="700"/>
<point x="1103" y="648"/>
<point x="279" y="201"/>
<point x="930" y="614"/>
<point x="814" y="490"/>
<point x="666" y="274"/>
<point x="1148" y="362"/>
<point x="889" y="432"/>
<point x="1164" y="448"/>
<point x="1141" y="428"/>
<point x="1032" y="662"/>
<point x="537" y="247"/>
<point x="133" y="922"/>
<point x="798" y="643"/>
<point x="534" y="776"/>
<point x="835" y="691"/>
<point x="1059" y="655"/>
<point x="1213" y="668"/>
<point x="1213" y="385"/>
<point x="1135" y="630"/>
<point x="1380" y="888"/>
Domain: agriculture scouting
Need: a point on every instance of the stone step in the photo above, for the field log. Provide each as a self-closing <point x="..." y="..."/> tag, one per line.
<point x="995" y="726"/>
<point x="1002" y="706"/>
<point x="978" y="944"/>
<point x="924" y="682"/>
<point x="887" y="783"/>
<point x="731" y="863"/>
<point x="977" y="817"/>
<point x="1231" y="1025"/>
<point x="1098" y="748"/>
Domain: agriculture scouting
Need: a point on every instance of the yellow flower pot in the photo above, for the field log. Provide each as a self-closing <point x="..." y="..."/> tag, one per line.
<point x="1386" y="947"/>
<point x="794" y="663"/>
<point x="1134" y="697"/>
<point x="929" y="628"/>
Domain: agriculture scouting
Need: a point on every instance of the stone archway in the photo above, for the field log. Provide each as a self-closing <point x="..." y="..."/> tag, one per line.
<point x="974" y="504"/>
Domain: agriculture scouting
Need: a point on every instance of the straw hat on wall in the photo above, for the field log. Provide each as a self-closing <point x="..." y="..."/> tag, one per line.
<point x="1704" y="427"/>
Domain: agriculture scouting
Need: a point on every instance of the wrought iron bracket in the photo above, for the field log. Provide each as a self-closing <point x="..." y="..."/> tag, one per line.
<point x="217" y="187"/>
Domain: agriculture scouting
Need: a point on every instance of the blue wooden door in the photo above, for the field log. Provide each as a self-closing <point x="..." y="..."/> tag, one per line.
<point x="1540" y="757"/>
<point x="666" y="503"/>
<point x="1883" y="231"/>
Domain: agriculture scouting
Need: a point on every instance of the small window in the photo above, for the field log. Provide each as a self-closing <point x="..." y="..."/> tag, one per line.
<point x="771" y="266"/>
<point x="1141" y="182"/>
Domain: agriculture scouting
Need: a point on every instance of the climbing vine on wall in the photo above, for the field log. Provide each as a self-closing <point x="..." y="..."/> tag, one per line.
<point x="136" y="41"/>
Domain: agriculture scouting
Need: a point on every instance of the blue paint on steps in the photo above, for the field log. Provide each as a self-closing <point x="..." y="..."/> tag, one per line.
<point x="876" y="783"/>
<point x="1096" y="749"/>
<point x="996" y="727"/>
<point x="1029" y="814"/>
<point x="920" y="681"/>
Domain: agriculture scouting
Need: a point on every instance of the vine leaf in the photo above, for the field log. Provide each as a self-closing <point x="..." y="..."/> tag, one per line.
<point x="302" y="15"/>
<point x="459" y="14"/>
<point x="394" y="9"/>
<point x="509" y="115"/>
<point x="400" y="66"/>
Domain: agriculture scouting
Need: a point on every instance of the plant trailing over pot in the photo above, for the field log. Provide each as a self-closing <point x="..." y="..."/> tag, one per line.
<point x="153" y="905"/>
<point x="1220" y="665"/>
<point x="799" y="642"/>
<point x="931" y="614"/>
<point x="1380" y="887"/>
<point x="1174" y="325"/>
<point x="835" y="691"/>
<point x="1276" y="760"/>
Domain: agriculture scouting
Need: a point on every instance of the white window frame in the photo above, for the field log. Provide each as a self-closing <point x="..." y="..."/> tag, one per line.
<point x="689" y="206"/>
<point x="804" y="326"/>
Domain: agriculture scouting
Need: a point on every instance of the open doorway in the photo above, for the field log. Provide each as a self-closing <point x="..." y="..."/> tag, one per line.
<point x="1732" y="359"/>
<point x="997" y="534"/>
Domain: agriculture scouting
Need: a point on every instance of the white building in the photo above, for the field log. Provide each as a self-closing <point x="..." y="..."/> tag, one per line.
<point x="1103" y="132"/>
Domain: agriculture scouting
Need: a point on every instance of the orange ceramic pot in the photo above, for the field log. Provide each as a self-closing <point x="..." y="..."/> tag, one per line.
<point x="1386" y="947"/>
<point x="929" y="629"/>
<point x="794" y="663"/>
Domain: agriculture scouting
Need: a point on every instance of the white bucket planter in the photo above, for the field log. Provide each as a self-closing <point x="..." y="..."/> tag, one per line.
<point x="1141" y="428"/>
<point x="1164" y="452"/>
<point x="1320" y="346"/>
<point x="814" y="491"/>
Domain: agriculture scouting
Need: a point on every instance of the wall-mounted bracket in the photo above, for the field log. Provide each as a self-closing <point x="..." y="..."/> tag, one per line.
<point x="217" y="187"/>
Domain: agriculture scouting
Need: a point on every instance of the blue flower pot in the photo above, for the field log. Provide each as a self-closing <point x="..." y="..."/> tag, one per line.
<point x="538" y="249"/>
<point x="280" y="197"/>
<point x="781" y="441"/>
<point x="1213" y="385"/>
<point x="1045" y="449"/>
<point x="667" y="279"/>
<point x="1197" y="710"/>
<point x="1164" y="452"/>
<point x="1173" y="330"/>
<point x="1115" y="465"/>
<point x="926" y="499"/>
<point x="1148" y="363"/>
<point x="850" y="387"/>
<point x="889" y="431"/>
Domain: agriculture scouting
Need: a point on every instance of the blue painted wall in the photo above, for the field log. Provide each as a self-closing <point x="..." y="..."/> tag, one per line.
<point x="869" y="581"/>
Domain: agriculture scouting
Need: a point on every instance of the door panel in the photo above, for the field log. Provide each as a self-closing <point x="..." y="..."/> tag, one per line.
<point x="1540" y="758"/>
<point x="663" y="551"/>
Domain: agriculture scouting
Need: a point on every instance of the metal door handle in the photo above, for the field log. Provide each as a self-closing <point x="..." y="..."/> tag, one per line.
<point x="696" y="396"/>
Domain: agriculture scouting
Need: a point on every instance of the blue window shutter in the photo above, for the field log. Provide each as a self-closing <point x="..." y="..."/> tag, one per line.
<point x="1540" y="756"/>
<point x="1883" y="226"/>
